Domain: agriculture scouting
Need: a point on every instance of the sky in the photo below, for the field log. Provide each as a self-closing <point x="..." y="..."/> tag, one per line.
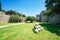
<point x="27" y="7"/>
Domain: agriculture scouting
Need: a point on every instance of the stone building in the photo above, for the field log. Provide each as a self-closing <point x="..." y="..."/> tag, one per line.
<point x="4" y="17"/>
<point x="43" y="17"/>
<point x="23" y="19"/>
<point x="38" y="17"/>
<point x="54" y="18"/>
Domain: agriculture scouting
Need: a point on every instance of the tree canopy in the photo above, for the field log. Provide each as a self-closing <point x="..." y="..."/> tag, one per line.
<point x="30" y="18"/>
<point x="0" y="5"/>
<point x="14" y="18"/>
<point x="52" y="6"/>
<point x="10" y="12"/>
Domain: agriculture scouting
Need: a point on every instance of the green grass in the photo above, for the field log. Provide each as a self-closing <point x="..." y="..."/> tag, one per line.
<point x="2" y="24"/>
<point x="25" y="32"/>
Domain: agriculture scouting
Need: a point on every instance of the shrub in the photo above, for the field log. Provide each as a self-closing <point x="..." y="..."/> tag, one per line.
<point x="30" y="18"/>
<point x="14" y="18"/>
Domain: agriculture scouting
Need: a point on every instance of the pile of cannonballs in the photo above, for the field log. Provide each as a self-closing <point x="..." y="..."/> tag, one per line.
<point x="37" y="28"/>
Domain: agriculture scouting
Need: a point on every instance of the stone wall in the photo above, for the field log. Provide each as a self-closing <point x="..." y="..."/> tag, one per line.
<point x="38" y="17"/>
<point x="43" y="17"/>
<point x="23" y="19"/>
<point x="4" y="17"/>
<point x="55" y="19"/>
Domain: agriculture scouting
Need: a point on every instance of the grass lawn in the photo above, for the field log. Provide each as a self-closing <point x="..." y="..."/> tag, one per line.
<point x="25" y="32"/>
<point x="2" y="24"/>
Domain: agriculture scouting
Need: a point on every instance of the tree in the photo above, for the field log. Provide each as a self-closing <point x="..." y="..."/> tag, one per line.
<point x="54" y="5"/>
<point x="14" y="18"/>
<point x="3" y="11"/>
<point x="19" y="14"/>
<point x="23" y="15"/>
<point x="30" y="18"/>
<point x="53" y="10"/>
<point x="0" y="5"/>
<point x="10" y="12"/>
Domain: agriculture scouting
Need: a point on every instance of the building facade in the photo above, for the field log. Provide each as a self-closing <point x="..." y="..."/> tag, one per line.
<point x="38" y="17"/>
<point x="43" y="17"/>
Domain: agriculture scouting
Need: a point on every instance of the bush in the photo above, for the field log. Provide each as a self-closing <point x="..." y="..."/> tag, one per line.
<point x="30" y="18"/>
<point x="14" y="18"/>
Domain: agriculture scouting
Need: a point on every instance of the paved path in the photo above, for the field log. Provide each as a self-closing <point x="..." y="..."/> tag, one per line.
<point x="10" y="25"/>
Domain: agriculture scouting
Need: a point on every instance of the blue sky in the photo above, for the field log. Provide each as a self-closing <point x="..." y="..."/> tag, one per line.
<point x="27" y="7"/>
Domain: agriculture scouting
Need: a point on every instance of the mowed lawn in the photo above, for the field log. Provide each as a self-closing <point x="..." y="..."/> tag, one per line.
<point x="25" y="32"/>
<point x="2" y="24"/>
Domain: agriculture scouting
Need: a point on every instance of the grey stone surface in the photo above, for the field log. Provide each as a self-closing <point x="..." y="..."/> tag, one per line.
<point x="54" y="19"/>
<point x="4" y="17"/>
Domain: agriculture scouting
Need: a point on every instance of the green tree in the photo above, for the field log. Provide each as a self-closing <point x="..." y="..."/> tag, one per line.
<point x="23" y="15"/>
<point x="3" y="11"/>
<point x="54" y="5"/>
<point x="19" y="14"/>
<point x="10" y="12"/>
<point x="0" y="5"/>
<point x="53" y="9"/>
<point x="14" y="18"/>
<point x="30" y="18"/>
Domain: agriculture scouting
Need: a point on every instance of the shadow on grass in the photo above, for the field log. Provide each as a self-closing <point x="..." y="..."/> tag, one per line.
<point x="52" y="28"/>
<point x="34" y="31"/>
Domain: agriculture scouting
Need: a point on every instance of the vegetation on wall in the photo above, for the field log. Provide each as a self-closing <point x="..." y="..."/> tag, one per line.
<point x="15" y="16"/>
